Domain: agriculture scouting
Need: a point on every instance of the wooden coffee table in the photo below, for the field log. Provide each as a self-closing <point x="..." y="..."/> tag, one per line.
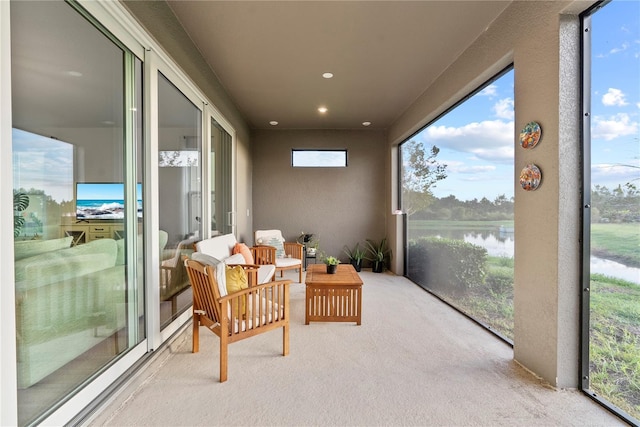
<point x="333" y="297"/>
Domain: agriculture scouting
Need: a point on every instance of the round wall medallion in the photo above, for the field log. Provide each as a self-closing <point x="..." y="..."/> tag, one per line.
<point x="530" y="135"/>
<point x="530" y="177"/>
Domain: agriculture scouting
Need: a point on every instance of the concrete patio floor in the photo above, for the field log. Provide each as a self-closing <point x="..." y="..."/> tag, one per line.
<point x="413" y="361"/>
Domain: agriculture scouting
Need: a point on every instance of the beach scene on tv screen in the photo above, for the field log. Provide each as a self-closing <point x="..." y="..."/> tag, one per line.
<point x="103" y="201"/>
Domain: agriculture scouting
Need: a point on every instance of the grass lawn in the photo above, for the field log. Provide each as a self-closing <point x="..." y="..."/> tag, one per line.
<point x="615" y="342"/>
<point x="617" y="242"/>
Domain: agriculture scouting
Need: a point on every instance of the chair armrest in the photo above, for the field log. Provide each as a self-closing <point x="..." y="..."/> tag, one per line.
<point x="263" y="254"/>
<point x="294" y="249"/>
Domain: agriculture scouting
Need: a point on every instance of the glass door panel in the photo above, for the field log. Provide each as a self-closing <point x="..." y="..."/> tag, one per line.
<point x="180" y="194"/>
<point x="70" y="95"/>
<point x="222" y="221"/>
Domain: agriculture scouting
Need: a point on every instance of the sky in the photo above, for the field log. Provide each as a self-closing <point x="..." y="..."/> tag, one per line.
<point x="43" y="163"/>
<point x="477" y="139"/>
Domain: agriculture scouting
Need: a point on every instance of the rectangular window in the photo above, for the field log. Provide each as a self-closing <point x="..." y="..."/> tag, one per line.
<point x="319" y="158"/>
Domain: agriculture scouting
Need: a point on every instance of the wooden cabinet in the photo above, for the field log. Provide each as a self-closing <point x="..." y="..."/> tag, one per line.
<point x="99" y="232"/>
<point x="83" y="232"/>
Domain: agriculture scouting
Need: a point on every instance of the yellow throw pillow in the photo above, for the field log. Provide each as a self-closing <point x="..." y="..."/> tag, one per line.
<point x="236" y="279"/>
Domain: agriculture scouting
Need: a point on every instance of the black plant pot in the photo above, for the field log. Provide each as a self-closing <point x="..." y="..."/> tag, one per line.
<point x="378" y="266"/>
<point x="357" y="264"/>
<point x="331" y="269"/>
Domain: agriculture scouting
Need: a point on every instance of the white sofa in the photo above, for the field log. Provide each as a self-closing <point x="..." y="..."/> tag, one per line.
<point x="221" y="248"/>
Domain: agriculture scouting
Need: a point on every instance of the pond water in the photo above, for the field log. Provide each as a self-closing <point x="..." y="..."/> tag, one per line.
<point x="501" y="243"/>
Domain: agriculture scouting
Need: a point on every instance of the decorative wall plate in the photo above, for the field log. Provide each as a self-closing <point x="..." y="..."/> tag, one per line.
<point x="530" y="177"/>
<point x="530" y="135"/>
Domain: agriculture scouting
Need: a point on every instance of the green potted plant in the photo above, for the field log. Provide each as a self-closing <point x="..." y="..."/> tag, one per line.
<point x="332" y="264"/>
<point x="20" y="203"/>
<point x="379" y="254"/>
<point x="356" y="255"/>
<point x="310" y="243"/>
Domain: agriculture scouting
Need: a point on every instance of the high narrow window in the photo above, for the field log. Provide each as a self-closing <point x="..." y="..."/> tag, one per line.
<point x="611" y="306"/>
<point x="319" y="158"/>
<point x="457" y="192"/>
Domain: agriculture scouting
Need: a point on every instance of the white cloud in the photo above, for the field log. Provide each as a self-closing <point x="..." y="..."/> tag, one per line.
<point x="504" y="108"/>
<point x="488" y="140"/>
<point x="613" y="127"/>
<point x="611" y="174"/>
<point x="490" y="91"/>
<point x="614" y="97"/>
<point x="622" y="48"/>
<point x="459" y="167"/>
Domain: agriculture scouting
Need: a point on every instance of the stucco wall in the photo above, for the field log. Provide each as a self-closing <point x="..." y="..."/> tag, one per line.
<point x="340" y="205"/>
<point x="541" y="40"/>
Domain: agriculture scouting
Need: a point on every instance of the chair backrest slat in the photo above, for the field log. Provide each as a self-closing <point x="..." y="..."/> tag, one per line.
<point x="205" y="289"/>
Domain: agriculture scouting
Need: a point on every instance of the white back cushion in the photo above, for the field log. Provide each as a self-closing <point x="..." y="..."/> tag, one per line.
<point x="221" y="274"/>
<point x="219" y="247"/>
<point x="235" y="259"/>
<point x="272" y="238"/>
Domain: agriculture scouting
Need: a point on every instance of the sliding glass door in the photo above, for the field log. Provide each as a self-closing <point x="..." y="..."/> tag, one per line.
<point x="76" y="102"/>
<point x="220" y="180"/>
<point x="180" y="194"/>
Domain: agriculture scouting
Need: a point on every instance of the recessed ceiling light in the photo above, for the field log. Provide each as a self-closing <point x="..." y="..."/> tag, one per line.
<point x="327" y="75"/>
<point x="366" y="123"/>
<point x="108" y="122"/>
<point x="273" y="123"/>
<point x="323" y="109"/>
<point x="74" y="73"/>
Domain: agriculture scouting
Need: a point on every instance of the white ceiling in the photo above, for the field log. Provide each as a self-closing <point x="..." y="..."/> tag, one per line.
<point x="270" y="55"/>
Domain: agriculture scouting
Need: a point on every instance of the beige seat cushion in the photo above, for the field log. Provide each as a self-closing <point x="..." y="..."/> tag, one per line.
<point x="287" y="262"/>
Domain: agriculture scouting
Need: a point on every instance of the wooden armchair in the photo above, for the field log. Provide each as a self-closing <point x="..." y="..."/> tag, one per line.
<point x="239" y="315"/>
<point x="271" y="248"/>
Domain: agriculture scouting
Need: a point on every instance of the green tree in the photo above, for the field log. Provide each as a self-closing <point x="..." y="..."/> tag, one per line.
<point x="420" y="172"/>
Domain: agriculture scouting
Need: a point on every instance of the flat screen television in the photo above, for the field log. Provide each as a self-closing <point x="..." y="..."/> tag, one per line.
<point x="103" y="200"/>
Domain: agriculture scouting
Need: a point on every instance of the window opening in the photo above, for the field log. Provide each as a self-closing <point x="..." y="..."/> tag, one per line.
<point x="611" y="216"/>
<point x="457" y="194"/>
<point x="319" y="158"/>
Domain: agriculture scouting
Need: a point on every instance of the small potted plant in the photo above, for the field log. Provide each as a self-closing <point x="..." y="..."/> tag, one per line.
<point x="356" y="255"/>
<point x="332" y="264"/>
<point x="310" y="243"/>
<point x="379" y="254"/>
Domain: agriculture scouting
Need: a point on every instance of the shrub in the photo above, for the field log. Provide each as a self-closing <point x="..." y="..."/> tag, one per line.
<point x="453" y="265"/>
<point x="500" y="279"/>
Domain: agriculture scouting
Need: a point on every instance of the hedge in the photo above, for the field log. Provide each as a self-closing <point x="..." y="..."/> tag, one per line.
<point x="445" y="264"/>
